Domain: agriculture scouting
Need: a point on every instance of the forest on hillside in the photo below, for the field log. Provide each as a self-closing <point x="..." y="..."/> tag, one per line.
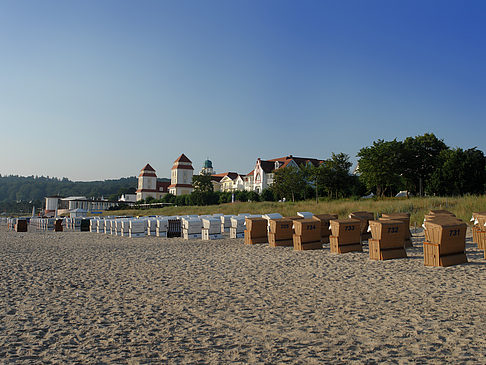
<point x="20" y="193"/>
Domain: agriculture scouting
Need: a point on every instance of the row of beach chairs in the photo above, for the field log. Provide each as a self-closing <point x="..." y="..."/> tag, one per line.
<point x="207" y="227"/>
<point x="387" y="236"/>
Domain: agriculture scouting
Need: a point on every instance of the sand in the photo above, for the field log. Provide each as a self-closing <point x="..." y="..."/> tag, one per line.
<point x="89" y="298"/>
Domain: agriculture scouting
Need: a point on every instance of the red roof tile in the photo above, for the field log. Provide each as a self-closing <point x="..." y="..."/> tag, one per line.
<point x="148" y="168"/>
<point x="182" y="158"/>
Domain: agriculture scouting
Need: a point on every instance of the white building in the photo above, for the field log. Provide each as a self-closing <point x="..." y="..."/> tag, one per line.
<point x="249" y="181"/>
<point x="128" y="198"/>
<point x="149" y="186"/>
<point x="66" y="205"/>
<point x="52" y="205"/>
<point x="264" y="170"/>
<point x="181" y="176"/>
<point x="232" y="181"/>
<point x="216" y="181"/>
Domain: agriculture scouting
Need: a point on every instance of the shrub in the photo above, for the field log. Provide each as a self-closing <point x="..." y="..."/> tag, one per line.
<point x="253" y="196"/>
<point x="224" y="197"/>
<point x="241" y="196"/>
<point x="180" y="200"/>
<point x="168" y="198"/>
<point x="268" y="195"/>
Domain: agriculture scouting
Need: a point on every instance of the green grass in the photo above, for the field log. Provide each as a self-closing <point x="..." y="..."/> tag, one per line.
<point x="462" y="207"/>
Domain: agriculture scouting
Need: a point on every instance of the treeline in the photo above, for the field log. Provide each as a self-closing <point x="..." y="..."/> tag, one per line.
<point x="421" y="165"/>
<point x="210" y="197"/>
<point x="19" y="193"/>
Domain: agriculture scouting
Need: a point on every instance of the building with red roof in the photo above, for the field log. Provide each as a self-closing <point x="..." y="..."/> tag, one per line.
<point x="227" y="181"/>
<point x="181" y="176"/>
<point x="149" y="186"/>
<point x="263" y="172"/>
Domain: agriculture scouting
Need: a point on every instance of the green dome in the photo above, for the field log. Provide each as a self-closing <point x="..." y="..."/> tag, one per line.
<point x="208" y="164"/>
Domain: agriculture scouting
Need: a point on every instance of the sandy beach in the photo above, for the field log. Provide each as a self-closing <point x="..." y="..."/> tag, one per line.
<point x="90" y="298"/>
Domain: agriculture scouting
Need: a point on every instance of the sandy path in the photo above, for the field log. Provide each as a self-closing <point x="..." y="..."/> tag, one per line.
<point x="92" y="298"/>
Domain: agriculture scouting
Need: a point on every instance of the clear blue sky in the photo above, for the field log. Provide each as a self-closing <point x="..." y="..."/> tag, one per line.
<point x="92" y="90"/>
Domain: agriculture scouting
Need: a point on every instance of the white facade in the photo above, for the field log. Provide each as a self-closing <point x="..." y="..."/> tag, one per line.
<point x="52" y="203"/>
<point x="263" y="179"/>
<point x="181" y="176"/>
<point x="128" y="198"/>
<point x="232" y="184"/>
<point x="249" y="181"/>
<point x="239" y="183"/>
<point x="148" y="186"/>
<point x="66" y="205"/>
<point x="263" y="173"/>
<point x="147" y="183"/>
<point x="87" y="204"/>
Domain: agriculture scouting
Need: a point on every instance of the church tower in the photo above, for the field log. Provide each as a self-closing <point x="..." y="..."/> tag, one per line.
<point x="147" y="183"/>
<point x="181" y="176"/>
<point x="207" y="168"/>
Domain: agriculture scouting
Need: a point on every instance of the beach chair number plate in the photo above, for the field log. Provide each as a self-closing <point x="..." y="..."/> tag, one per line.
<point x="453" y="232"/>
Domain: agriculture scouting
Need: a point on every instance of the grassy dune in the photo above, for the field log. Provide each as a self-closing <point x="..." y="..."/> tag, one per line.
<point x="462" y="207"/>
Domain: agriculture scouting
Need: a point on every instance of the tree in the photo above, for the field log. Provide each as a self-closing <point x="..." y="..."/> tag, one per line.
<point x="288" y="182"/>
<point x="356" y="187"/>
<point x="475" y="171"/>
<point x="311" y="176"/>
<point x="339" y="178"/>
<point x="202" y="183"/>
<point x="420" y="158"/>
<point x="380" y="165"/>
<point x="460" y="172"/>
